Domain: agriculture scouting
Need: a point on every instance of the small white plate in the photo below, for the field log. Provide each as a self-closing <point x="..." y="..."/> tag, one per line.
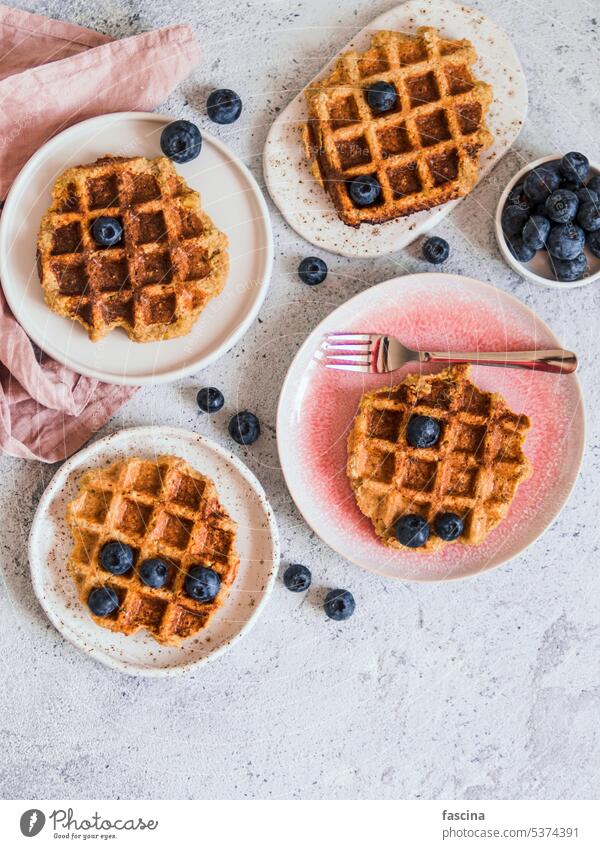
<point x="428" y="312"/>
<point x="257" y="544"/>
<point x="539" y="270"/>
<point x="304" y="203"/>
<point x="228" y="193"/>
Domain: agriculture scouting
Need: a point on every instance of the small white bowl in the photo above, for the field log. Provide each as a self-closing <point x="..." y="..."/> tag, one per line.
<point x="538" y="269"/>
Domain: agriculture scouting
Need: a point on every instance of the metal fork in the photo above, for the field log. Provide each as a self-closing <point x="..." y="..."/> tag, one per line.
<point x="375" y="354"/>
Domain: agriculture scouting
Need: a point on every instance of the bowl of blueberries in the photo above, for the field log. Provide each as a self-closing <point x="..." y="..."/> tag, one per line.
<point x="548" y="221"/>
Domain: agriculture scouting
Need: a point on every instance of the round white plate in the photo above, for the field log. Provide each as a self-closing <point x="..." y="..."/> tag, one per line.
<point x="304" y="203"/>
<point x="539" y="270"/>
<point x="427" y="312"/>
<point x="257" y="545"/>
<point x="228" y="193"/>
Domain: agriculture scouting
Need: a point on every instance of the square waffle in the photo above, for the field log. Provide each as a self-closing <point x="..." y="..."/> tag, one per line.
<point x="161" y="508"/>
<point x="473" y="471"/>
<point x="423" y="152"/>
<point x="157" y="280"/>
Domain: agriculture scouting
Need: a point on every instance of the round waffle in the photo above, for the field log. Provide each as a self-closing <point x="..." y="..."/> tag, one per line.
<point x="161" y="508"/>
<point x="154" y="283"/>
<point x="473" y="470"/>
<point x="423" y="152"/>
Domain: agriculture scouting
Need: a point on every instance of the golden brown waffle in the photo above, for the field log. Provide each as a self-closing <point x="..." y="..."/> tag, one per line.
<point x="157" y="280"/>
<point x="161" y="508"/>
<point x="425" y="151"/>
<point x="473" y="470"/>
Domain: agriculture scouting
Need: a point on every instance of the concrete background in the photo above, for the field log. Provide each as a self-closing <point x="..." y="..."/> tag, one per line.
<point x="487" y="688"/>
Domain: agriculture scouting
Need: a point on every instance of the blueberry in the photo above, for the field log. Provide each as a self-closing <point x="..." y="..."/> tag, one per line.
<point x="339" y="605"/>
<point x="519" y="249"/>
<point x="244" y="427"/>
<point x="588" y="217"/>
<point x="116" y="557"/>
<point x="312" y="270"/>
<point x="565" y="241"/>
<point x="561" y="206"/>
<point x="594" y="184"/>
<point x="382" y="97"/>
<point x="365" y="190"/>
<point x="224" y="106"/>
<point x="412" y="531"/>
<point x="202" y="584"/>
<point x="593" y="243"/>
<point x="107" y="231"/>
<point x="154" y="572"/>
<point x="575" y="167"/>
<point x="513" y="220"/>
<point x="297" y="578"/>
<point x="516" y="197"/>
<point x="422" y="432"/>
<point x="181" y="141"/>
<point x="567" y="270"/>
<point x="540" y="182"/>
<point x="210" y="399"/>
<point x="436" y="250"/>
<point x="536" y="232"/>
<point x="103" y="601"/>
<point x="586" y="195"/>
<point x="448" y="526"/>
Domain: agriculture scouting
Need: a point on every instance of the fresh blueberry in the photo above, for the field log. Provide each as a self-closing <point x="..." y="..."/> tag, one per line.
<point x="312" y="270"/>
<point x="210" y="399"/>
<point x="422" y="432"/>
<point x="116" y="557"/>
<point x="536" y="232"/>
<point x="202" y="584"/>
<point x="107" y="231"/>
<point x="587" y="195"/>
<point x="567" y="270"/>
<point x="297" y="578"/>
<point x="365" y="190"/>
<point x="103" y="601"/>
<point x="448" y="526"/>
<point x="593" y="243"/>
<point x="517" y="197"/>
<point x="540" y="182"/>
<point x="519" y="249"/>
<point x="561" y="206"/>
<point x="244" y="427"/>
<point x="575" y="167"/>
<point x="382" y="97"/>
<point x="181" y="141"/>
<point x="513" y="220"/>
<point x="565" y="241"/>
<point x="588" y="217"/>
<point x="224" y="106"/>
<point x="154" y="573"/>
<point x="436" y="250"/>
<point x="594" y="184"/>
<point x="412" y="531"/>
<point x="339" y="605"/>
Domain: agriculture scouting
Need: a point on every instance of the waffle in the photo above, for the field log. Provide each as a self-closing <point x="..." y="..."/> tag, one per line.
<point x="161" y="508"/>
<point x="473" y="470"/>
<point x="155" y="283"/>
<point x="425" y="151"/>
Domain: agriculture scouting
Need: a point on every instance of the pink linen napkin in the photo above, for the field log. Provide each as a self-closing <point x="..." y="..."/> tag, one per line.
<point x="52" y="75"/>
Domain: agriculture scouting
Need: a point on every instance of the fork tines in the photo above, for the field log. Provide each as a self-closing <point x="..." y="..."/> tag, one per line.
<point x="348" y="351"/>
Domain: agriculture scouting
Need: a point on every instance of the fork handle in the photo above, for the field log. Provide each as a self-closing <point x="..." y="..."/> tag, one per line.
<point x="555" y="360"/>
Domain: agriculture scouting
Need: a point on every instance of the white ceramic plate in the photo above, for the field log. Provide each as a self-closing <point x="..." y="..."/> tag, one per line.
<point x="307" y="207"/>
<point x="257" y="544"/>
<point x="539" y="270"/>
<point x="228" y="193"/>
<point x="428" y="312"/>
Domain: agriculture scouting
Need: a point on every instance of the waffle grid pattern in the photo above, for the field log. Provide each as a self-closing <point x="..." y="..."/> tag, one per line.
<point x="425" y="151"/>
<point x="161" y="509"/>
<point x="473" y="471"/>
<point x="170" y="262"/>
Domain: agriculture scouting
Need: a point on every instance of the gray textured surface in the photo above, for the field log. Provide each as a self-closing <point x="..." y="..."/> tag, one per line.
<point x="485" y="688"/>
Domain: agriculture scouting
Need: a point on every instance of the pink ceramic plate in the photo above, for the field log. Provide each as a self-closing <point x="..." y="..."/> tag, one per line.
<point x="428" y="312"/>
